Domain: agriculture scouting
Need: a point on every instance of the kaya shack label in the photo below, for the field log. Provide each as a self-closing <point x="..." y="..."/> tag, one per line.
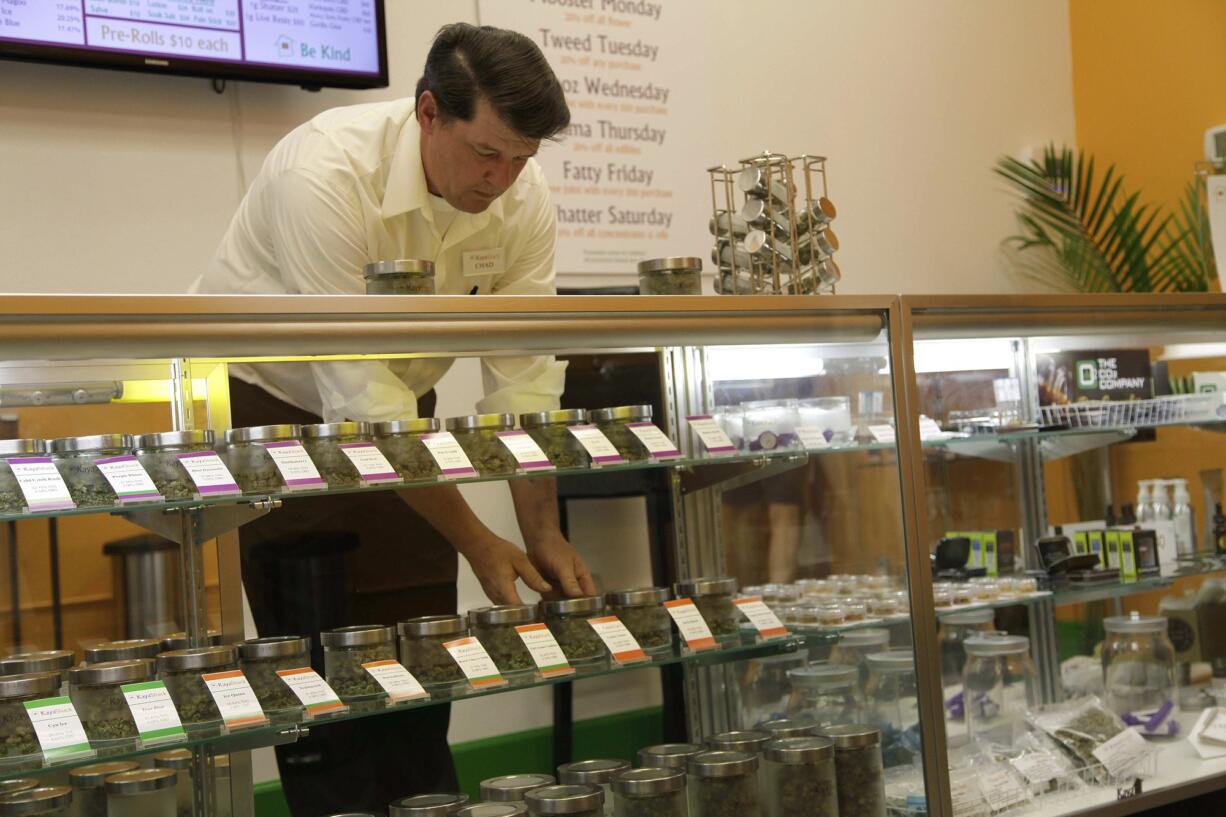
<point x="1069" y="377"/>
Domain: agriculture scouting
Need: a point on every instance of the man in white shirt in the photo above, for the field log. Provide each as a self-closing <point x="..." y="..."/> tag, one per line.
<point x="448" y="177"/>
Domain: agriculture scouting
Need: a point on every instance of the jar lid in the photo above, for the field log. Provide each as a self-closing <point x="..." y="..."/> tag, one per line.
<point x="536" y="419"/>
<point x="400" y="266"/>
<point x="672" y="263"/>
<point x="44" y="661"/>
<point x="427" y="805"/>
<point x="91" y="442"/>
<point x="799" y="750"/>
<point x="826" y="207"/>
<point x="276" y="646"/>
<point x="985" y="616"/>
<point x="502" y="614"/>
<point x="573" y="798"/>
<point x="34" y="683"/>
<point x="35" y="801"/>
<point x="323" y="431"/>
<point x="472" y="422"/>
<point x="423" y="626"/>
<point x="638" y="597"/>
<point x="605" y="415"/>
<point x="646" y="782"/>
<point x="891" y="661"/>
<point x="420" y="425"/>
<point x="754" y="210"/>
<point x="723" y="763"/>
<point x="493" y="810"/>
<point x="1134" y="623"/>
<point x="125" y="650"/>
<point x="174" y="759"/>
<point x="197" y="658"/>
<point x="359" y="635"/>
<point x="11" y="448"/>
<point x="601" y="770"/>
<point x="166" y="439"/>
<point x="95" y="774"/>
<point x="108" y="673"/>
<point x="851" y="735"/>
<point x="178" y="641"/>
<point x="255" y="434"/>
<point x="868" y="637"/>
<point x="17" y="784"/>
<point x="817" y="676"/>
<point x="563" y="607"/>
<point x="513" y="787"/>
<point x="993" y="644"/>
<point x="787" y="728"/>
<point x="141" y="781"/>
<point x="709" y="586"/>
<point x="668" y="755"/>
<point x="745" y="740"/>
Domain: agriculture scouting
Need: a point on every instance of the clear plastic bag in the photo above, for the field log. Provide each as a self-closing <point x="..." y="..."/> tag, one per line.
<point x="1046" y="768"/>
<point x="1080" y="727"/>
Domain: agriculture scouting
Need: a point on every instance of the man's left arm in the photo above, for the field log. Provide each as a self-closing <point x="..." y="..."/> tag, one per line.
<point x="536" y="510"/>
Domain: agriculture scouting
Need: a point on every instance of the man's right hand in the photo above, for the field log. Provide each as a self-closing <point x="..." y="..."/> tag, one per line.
<point x="497" y="564"/>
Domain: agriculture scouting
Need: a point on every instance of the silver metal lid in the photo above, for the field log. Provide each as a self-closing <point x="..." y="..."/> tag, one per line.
<point x="995" y="644"/>
<point x="95" y="774"/>
<point x="91" y="442"/>
<point x="639" y="597"/>
<point x="891" y="661"/>
<point x="674" y="263"/>
<point x="817" y="676"/>
<point x="276" y="646"/>
<point x="824" y="210"/>
<point x="258" y="434"/>
<point x="493" y="810"/>
<point x="419" y="425"/>
<point x="799" y="750"/>
<point x="574" y="798"/>
<point x="723" y="764"/>
<point x="744" y="740"/>
<point x="669" y="755"/>
<point x="167" y="439"/>
<point x="1134" y="623"/>
<point x="537" y="419"/>
<point x="564" y="607"/>
<point x="35" y="801"/>
<point x="427" y="805"/>
<point x="359" y="635"/>
<point x="16" y="448"/>
<point x="109" y="673"/>
<point x="44" y="661"/>
<point x="30" y="684"/>
<point x="141" y="781"/>
<point x="868" y="637"/>
<point x="649" y="781"/>
<point x="500" y="422"/>
<point x="598" y="771"/>
<point x="787" y="728"/>
<point x="851" y="735"/>
<point x="126" y="650"/>
<point x="985" y="616"/>
<point x="323" y="431"/>
<point x="174" y="759"/>
<point x="400" y="266"/>
<point x="197" y="658"/>
<point x="502" y="614"/>
<point x="511" y="788"/>
<point x="708" y="586"/>
<point x="178" y="641"/>
<point x="17" y="784"/>
<point x="626" y="413"/>
<point x="423" y="626"/>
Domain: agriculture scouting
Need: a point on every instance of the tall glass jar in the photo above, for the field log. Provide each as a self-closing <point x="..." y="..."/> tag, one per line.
<point x="16" y="784"/>
<point x="495" y="627"/>
<point x="854" y="645"/>
<point x="29" y="663"/>
<point x="669" y="755"/>
<point x="400" y="441"/>
<point x="180" y="761"/>
<point x="76" y="459"/>
<point x="322" y="442"/>
<point x="511" y="788"/>
<point x="826" y="694"/>
<point x="250" y="463"/>
<point x="141" y="793"/>
<point x="748" y="741"/>
<point x="800" y="778"/>
<point x="132" y="649"/>
<point x="181" y="670"/>
<point x="100" y="703"/>
<point x="598" y="772"/>
<point x="402" y="276"/>
<point x="1138" y="668"/>
<point x="567" y="620"/>
<point x="346" y="649"/>
<point x="422" y="652"/>
<point x="573" y="801"/>
<point x="158" y="453"/>
<point x="179" y="641"/>
<point x="262" y="658"/>
<point x="89" y="786"/>
<point x="724" y="784"/>
<point x="893" y="704"/>
<point x="615" y="421"/>
<point x="12" y="500"/>
<point x="642" y="611"/>
<point x="680" y="275"/>
<point x="477" y="434"/>
<point x="551" y="431"/>
<point x="650" y="792"/>
<point x="795" y="727"/>
<point x="858" y="765"/>
<point x="223" y="792"/>
<point x="427" y="805"/>
<point x="713" y="598"/>
<point x="17" y="739"/>
<point x="44" y="801"/>
<point x="998" y="685"/>
<point x="953" y="631"/>
<point x="493" y="810"/>
<point x="765" y="686"/>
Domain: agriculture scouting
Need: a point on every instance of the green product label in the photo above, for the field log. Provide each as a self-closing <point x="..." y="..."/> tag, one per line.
<point x="989" y="553"/>
<point x="1128" y="557"/>
<point x="1095" y="539"/>
<point x="1112" y="542"/>
<point x="1081" y="542"/>
<point x="976" y="557"/>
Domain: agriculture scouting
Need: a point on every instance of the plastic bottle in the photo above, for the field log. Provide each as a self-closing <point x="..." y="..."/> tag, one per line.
<point x="1145" y="510"/>
<point x="1161" y="502"/>
<point x="1185" y="519"/>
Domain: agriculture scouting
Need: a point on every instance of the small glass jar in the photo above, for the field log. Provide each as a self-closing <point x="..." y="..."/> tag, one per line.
<point x="181" y="670"/>
<point x="141" y="793"/>
<point x="12" y="500"/>
<point x="1027" y="584"/>
<point x="860" y="772"/>
<point x="652" y="792"/>
<point x="893" y="704"/>
<point x="43" y="801"/>
<point x="826" y="694"/>
<point x="668" y="755"/>
<point x="76" y="457"/>
<point x="681" y="275"/>
<point x="403" y="276"/>
<point x="567" y="620"/>
<point x="180" y="761"/>
<point x="770" y="425"/>
<point x="32" y="663"/>
<point x="551" y="431"/>
<point x="797" y="726"/>
<point x="723" y="784"/>
<point x="749" y="741"/>
<point x="511" y="788"/>
<point x="614" y="423"/>
<point x="830" y="615"/>
<point x="952" y="633"/>
<point x="829" y="415"/>
<point x="477" y="434"/>
<point x="322" y="442"/>
<point x="884" y="606"/>
<point x="262" y="658"/>
<point x="495" y="627"/>
<point x="493" y="810"/>
<point x="17" y="739"/>
<point x="816" y="589"/>
<point x="16" y="784"/>
<point x="179" y="641"/>
<point x="250" y="463"/>
<point x="346" y="649"/>
<point x="1138" y="666"/>
<point x="713" y="598"/>
<point x="642" y="611"/>
<point x="99" y="700"/>
<point x="854" y="611"/>
<point x="942" y="597"/>
<point x="1007" y="586"/>
<point x="575" y="800"/>
<point x="89" y="786"/>
<point x="599" y="772"/>
<point x="158" y="454"/>
<point x="999" y="683"/>
<point x="132" y="649"/>
<point x="964" y="594"/>
<point x="400" y="441"/>
<point x="800" y="778"/>
<point x="422" y="652"/>
<point x="776" y="595"/>
<point x="427" y="805"/>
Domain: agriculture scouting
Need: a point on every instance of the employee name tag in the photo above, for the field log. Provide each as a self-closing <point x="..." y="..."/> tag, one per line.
<point x="482" y="262"/>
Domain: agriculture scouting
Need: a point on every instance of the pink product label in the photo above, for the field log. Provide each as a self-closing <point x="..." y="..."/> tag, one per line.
<point x="296" y="482"/>
<point x="657" y="442"/>
<point x="526" y="464"/>
<point x="372" y="476"/>
<point x="140" y="495"/>
<point x="711" y="447"/>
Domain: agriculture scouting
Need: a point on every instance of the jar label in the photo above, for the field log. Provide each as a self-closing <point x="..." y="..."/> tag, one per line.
<point x="882" y="433"/>
<point x="295" y="465"/>
<point x="154" y="712"/>
<point x="596" y="444"/>
<point x="1038" y="767"/>
<point x="525" y="451"/>
<point x="1123" y="752"/>
<point x="690" y="623"/>
<point x="209" y="473"/>
<point x="1002" y="789"/>
<point x="622" y="644"/>
<point x="370" y="462"/>
<point x="658" y="445"/>
<point x="548" y="656"/>
<point x="397" y="682"/>
<point x="965" y="797"/>
<point x="235" y="699"/>
<point x="812" y="437"/>
<point x="476" y="663"/>
<point x="317" y="697"/>
<point x="451" y="459"/>
<point x="129" y="479"/>
<point x="712" y="436"/>
<point x="762" y="617"/>
<point x="41" y="484"/>
<point x="59" y="730"/>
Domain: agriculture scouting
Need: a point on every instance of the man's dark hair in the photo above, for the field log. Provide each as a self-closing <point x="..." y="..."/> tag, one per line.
<point x="467" y="63"/>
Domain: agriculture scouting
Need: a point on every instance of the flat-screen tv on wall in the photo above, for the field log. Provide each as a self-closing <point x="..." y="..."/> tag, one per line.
<point x="312" y="43"/>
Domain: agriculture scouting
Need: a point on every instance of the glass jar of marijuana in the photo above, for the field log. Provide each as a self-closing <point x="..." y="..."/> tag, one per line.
<point x="76" y="459"/>
<point x="1138" y="665"/>
<point x="12" y="500"/>
<point x="858" y="766"/>
<point x="28" y="663"/>
<point x="668" y="755"/>
<point x="597" y="772"/>
<point x="89" y="786"/>
<point x="98" y="697"/>
<point x="826" y="694"/>
<point x="650" y="792"/>
<point x="323" y="442"/>
<point x="800" y="778"/>
<point x="680" y="275"/>
<point x="724" y="783"/>
<point x="551" y="431"/>
<point x="249" y="461"/>
<point x="642" y="611"/>
<point x="577" y="800"/>
<point x="182" y="671"/>
<point x="346" y="649"/>
<point x="127" y="650"/>
<point x="179" y="641"/>
<point x="158" y="453"/>
<point x="422" y="652"/>
<point x="511" y="788"/>
<point x="403" y="276"/>
<point x="262" y="658"/>
<point x="567" y="619"/>
<point x="477" y="434"/>
<point x="400" y="441"/>
<point x="427" y="805"/>
<point x="141" y="793"/>
<point x="41" y="801"/>
<point x="495" y="627"/>
<point x="17" y="739"/>
<point x="614" y="423"/>
<point x="713" y="598"/>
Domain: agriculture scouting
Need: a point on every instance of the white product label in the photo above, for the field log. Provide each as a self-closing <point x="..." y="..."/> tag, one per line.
<point x="235" y="699"/>
<point x="546" y="654"/>
<point x="762" y="617"/>
<point x="622" y="644"/>
<point x="154" y="712"/>
<point x="295" y="465"/>
<point x="658" y="445"/>
<point x="478" y="667"/>
<point x="1038" y="767"/>
<point x="1124" y="751"/>
<point x="1001" y="789"/>
<point x="372" y="466"/>
<point x="41" y="484"/>
<point x="596" y="444"/>
<point x="1215" y="730"/>
<point x="811" y="437"/>
<point x="883" y="433"/>
<point x="525" y="451"/>
<point x="210" y="474"/>
<point x="129" y="479"/>
<point x="451" y="459"/>
<point x="397" y="682"/>
<point x="59" y="730"/>
<point x="966" y="798"/>
<point x="712" y="436"/>
<point x="690" y="623"/>
<point x="929" y="430"/>
<point x="313" y="691"/>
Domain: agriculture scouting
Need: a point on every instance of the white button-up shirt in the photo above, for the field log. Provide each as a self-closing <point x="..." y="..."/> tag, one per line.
<point x="348" y="188"/>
